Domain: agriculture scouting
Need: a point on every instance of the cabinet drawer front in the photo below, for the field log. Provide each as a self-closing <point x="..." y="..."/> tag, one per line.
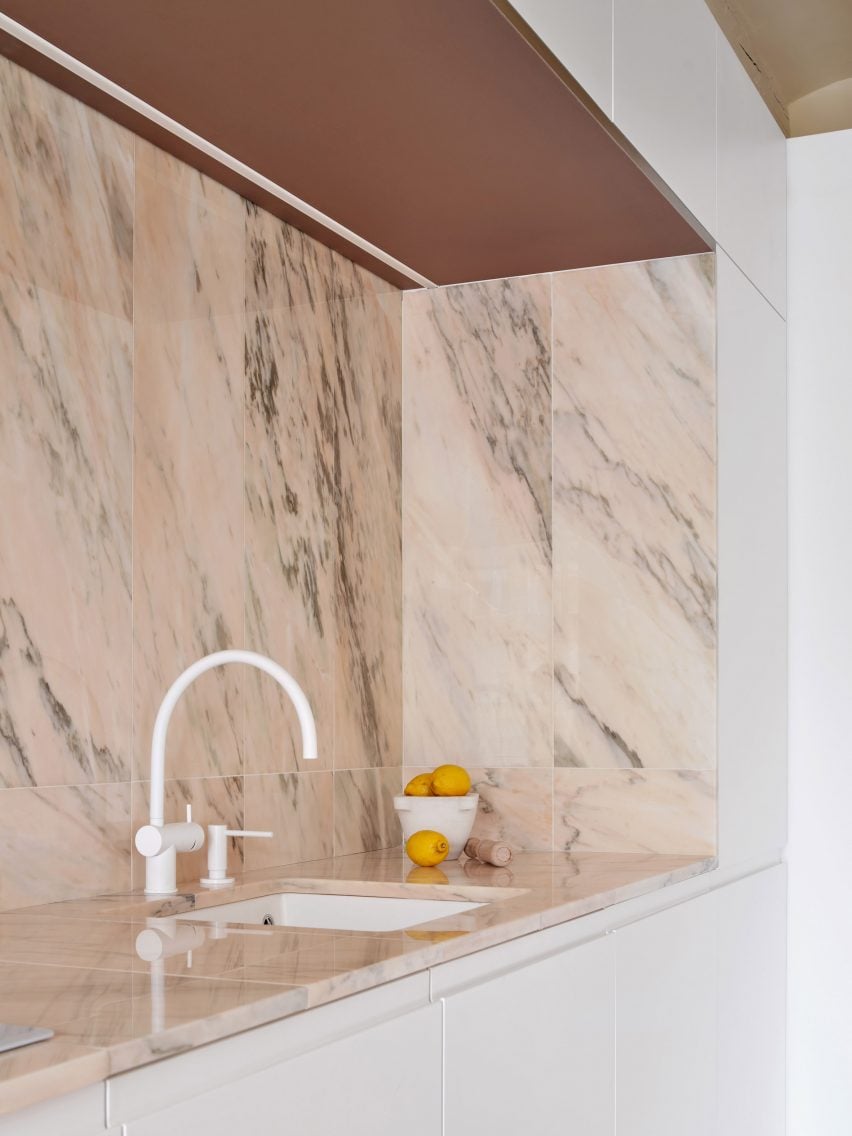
<point x="534" y="1050"/>
<point x="383" y="1080"/>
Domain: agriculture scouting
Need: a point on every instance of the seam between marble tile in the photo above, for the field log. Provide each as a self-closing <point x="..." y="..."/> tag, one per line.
<point x="403" y="387"/>
<point x="552" y="573"/>
<point x="132" y="692"/>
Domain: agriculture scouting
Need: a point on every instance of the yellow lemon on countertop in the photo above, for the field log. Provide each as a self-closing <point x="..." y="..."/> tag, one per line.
<point x="427" y="848"/>
<point x="450" y="781"/>
<point x="419" y="786"/>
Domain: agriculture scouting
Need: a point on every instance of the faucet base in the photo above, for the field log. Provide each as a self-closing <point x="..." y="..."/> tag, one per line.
<point x="161" y="873"/>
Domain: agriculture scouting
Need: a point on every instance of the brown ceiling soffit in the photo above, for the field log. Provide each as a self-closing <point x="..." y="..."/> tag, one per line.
<point x="141" y="125"/>
<point x="443" y="133"/>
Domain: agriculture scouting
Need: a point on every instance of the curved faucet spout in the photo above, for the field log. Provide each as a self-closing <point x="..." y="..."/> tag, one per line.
<point x="218" y="659"/>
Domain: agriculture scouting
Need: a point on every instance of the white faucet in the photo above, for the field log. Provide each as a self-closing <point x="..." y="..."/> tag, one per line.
<point x="160" y="842"/>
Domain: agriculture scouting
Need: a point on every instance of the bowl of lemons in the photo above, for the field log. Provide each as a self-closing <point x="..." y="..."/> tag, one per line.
<point x="437" y="811"/>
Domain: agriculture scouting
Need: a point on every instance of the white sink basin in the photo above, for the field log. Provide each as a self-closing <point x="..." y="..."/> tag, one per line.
<point x="335" y="912"/>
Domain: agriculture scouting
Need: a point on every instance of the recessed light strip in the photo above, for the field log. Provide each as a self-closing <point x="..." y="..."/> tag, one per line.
<point x="76" y="67"/>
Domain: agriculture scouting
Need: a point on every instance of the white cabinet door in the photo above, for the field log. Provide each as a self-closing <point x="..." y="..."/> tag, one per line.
<point x="579" y="33"/>
<point x="533" y="1050"/>
<point x="79" y="1113"/>
<point x="381" y="1080"/>
<point x="666" y="1022"/>
<point x="752" y="180"/>
<point x="664" y="94"/>
<point x="752" y="932"/>
<point x="752" y="544"/>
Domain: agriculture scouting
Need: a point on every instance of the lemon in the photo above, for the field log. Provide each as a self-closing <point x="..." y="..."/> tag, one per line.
<point x="426" y="876"/>
<point x="427" y="848"/>
<point x="450" y="781"/>
<point x="419" y="786"/>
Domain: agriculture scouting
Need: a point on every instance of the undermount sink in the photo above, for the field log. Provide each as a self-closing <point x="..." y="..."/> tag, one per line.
<point x="332" y="912"/>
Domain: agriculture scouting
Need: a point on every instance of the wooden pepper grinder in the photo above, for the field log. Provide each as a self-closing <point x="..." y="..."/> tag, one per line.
<point x="488" y="851"/>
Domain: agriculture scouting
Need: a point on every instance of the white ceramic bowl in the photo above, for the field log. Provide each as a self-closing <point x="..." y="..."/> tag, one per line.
<point x="453" y="817"/>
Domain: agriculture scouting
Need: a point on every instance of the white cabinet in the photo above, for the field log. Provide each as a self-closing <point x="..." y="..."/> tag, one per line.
<point x="664" y="94"/>
<point x="666" y="1022"/>
<point x="383" y="1079"/>
<point x="579" y="33"/>
<point x="751" y="980"/>
<point x="752" y="179"/>
<point x="752" y="545"/>
<point x="78" y="1113"/>
<point x="533" y="1050"/>
<point x="700" y="993"/>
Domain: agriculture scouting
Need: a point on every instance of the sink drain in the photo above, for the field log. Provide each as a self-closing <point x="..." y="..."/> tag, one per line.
<point x="268" y="921"/>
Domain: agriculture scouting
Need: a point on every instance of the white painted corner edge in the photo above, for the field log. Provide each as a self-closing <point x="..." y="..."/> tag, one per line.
<point x="89" y="75"/>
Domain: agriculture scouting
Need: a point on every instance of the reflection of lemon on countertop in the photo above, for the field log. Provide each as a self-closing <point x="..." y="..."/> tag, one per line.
<point x="433" y="936"/>
<point x="419" y="786"/>
<point x="450" y="781"/>
<point x="426" y="876"/>
<point x="427" y="848"/>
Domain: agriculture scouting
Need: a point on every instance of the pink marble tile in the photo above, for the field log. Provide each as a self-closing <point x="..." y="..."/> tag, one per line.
<point x="27" y="937"/>
<point x="289" y="493"/>
<point x="364" y="817"/>
<point x="189" y="257"/>
<point x="64" y="993"/>
<point x="188" y="470"/>
<point x="515" y="805"/>
<point x="65" y="549"/>
<point x="477" y="524"/>
<point x="368" y="548"/>
<point x="69" y="841"/>
<point x="634" y="520"/>
<point x="298" y="808"/>
<point x="147" y="1023"/>
<point x="214" y="800"/>
<point x="635" y="810"/>
<point x="66" y="195"/>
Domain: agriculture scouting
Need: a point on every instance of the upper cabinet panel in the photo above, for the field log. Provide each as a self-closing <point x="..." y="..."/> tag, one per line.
<point x="752" y="180"/>
<point x="664" y="87"/>
<point x="752" y="424"/>
<point x="579" y="33"/>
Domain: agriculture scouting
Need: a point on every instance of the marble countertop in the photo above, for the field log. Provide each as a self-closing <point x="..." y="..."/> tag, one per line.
<point x="73" y="966"/>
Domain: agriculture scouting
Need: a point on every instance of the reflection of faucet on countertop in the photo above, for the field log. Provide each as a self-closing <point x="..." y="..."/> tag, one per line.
<point x="164" y="938"/>
<point x="159" y="842"/>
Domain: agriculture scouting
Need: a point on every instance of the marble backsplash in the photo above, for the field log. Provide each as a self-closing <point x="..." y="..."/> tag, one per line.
<point x="202" y="416"/>
<point x="200" y="445"/>
<point x="559" y="537"/>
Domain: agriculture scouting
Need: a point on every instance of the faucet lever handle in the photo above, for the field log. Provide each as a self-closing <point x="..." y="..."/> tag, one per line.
<point x="248" y="832"/>
<point x="189" y="814"/>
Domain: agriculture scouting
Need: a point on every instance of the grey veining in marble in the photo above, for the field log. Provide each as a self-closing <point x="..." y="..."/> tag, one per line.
<point x="478" y="524"/>
<point x="65" y="422"/>
<point x="368" y="540"/>
<point x="635" y="515"/>
<point x="290" y="487"/>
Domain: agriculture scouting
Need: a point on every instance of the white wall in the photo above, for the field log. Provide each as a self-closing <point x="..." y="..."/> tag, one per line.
<point x="820" y="442"/>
